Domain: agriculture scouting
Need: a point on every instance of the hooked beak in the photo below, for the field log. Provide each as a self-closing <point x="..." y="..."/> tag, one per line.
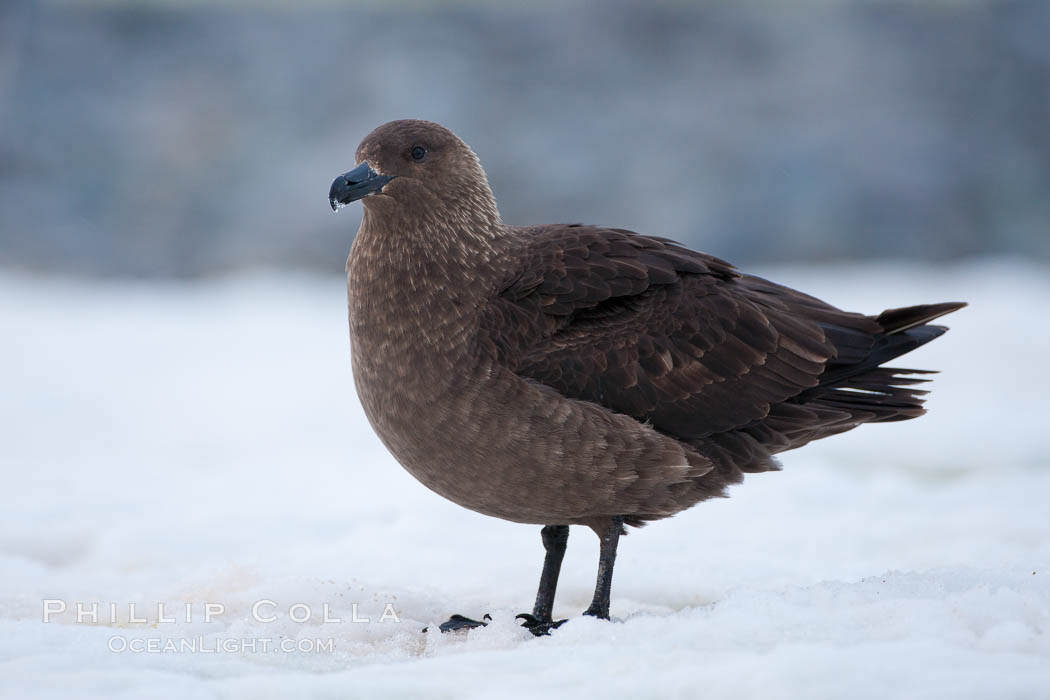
<point x="356" y="184"/>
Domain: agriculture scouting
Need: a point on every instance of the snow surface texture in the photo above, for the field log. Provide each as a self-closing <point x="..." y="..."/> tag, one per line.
<point x="201" y="443"/>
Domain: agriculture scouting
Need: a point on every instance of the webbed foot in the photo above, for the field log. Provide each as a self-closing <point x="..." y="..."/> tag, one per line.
<point x="538" y="627"/>
<point x="459" y="622"/>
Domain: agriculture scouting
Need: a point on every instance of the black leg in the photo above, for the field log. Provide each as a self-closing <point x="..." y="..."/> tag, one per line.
<point x="606" y="561"/>
<point x="555" y="539"/>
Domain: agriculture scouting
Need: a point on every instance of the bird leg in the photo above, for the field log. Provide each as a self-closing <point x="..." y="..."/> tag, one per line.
<point x="610" y="537"/>
<point x="555" y="539"/>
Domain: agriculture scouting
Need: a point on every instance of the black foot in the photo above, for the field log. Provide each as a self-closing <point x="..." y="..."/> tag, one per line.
<point x="538" y="627"/>
<point x="459" y="622"/>
<point x="595" y="612"/>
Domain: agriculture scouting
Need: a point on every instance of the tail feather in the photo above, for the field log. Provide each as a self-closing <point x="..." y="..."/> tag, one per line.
<point x="871" y="392"/>
<point x="855" y="388"/>
<point x="903" y="330"/>
<point x="886" y="347"/>
<point x="900" y="320"/>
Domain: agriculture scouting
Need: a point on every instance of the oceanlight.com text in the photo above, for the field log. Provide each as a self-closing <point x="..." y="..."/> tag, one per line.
<point x="211" y="645"/>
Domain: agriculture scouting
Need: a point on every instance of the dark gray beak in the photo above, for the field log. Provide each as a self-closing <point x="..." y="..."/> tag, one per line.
<point x="356" y="184"/>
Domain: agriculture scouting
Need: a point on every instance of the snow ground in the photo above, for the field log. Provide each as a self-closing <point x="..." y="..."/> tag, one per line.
<point x="201" y="443"/>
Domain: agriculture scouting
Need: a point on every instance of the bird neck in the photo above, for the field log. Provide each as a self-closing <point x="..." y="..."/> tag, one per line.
<point x="440" y="255"/>
<point x="415" y="298"/>
<point x="405" y="281"/>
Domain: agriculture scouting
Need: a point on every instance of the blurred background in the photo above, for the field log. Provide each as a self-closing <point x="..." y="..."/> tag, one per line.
<point x="150" y="138"/>
<point x="177" y="415"/>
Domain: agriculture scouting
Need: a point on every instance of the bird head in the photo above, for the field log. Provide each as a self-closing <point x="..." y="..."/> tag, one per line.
<point x="421" y="168"/>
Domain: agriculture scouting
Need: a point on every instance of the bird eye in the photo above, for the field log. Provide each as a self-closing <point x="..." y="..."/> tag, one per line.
<point x="418" y="152"/>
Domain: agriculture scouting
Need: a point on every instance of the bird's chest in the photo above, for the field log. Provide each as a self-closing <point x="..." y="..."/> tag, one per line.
<point x="414" y="361"/>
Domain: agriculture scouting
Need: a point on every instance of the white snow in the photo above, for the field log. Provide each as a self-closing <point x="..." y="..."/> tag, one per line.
<point x="201" y="443"/>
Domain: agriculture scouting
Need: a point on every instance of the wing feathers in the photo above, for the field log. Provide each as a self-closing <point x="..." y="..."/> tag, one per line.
<point x="735" y="365"/>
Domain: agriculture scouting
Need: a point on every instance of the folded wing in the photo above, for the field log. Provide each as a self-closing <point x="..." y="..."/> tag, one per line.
<point x="735" y="365"/>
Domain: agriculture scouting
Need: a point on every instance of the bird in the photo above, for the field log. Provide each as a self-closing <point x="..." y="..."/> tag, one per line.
<point x="571" y="374"/>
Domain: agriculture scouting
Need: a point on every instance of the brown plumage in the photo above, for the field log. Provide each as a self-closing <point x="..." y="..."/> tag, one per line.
<point x="571" y="374"/>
